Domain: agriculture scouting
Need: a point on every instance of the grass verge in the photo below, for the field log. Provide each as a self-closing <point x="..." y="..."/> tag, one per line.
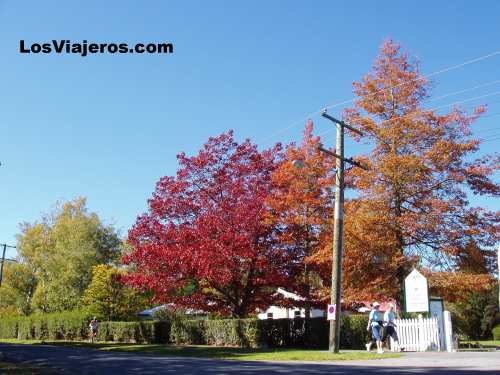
<point x="486" y="344"/>
<point x="246" y="354"/>
<point x="7" y="368"/>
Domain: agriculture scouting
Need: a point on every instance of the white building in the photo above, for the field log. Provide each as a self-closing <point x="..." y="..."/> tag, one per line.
<point x="276" y="312"/>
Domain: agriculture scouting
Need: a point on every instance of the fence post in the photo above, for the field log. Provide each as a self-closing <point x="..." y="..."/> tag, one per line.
<point x="448" y="332"/>
<point x="421" y="334"/>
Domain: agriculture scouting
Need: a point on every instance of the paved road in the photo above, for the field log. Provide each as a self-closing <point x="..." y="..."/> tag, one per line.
<point x="83" y="361"/>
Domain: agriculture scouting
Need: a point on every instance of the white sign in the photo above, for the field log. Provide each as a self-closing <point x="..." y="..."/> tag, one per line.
<point x="416" y="293"/>
<point x="331" y="312"/>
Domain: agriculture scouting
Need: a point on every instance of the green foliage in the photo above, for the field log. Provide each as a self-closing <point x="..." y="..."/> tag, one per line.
<point x="231" y="332"/>
<point x="74" y="326"/>
<point x="496" y="332"/>
<point x="18" y="286"/>
<point x="58" y="254"/>
<point x="188" y="332"/>
<point x="269" y="332"/>
<point x="109" y="299"/>
<point x="150" y="332"/>
<point x="475" y="317"/>
<point x="8" y="327"/>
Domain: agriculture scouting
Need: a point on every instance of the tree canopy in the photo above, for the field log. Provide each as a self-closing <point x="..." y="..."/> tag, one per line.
<point x="59" y="252"/>
<point x="205" y="227"/>
<point x="412" y="205"/>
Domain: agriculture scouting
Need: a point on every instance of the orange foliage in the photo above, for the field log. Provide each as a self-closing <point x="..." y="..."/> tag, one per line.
<point x="412" y="204"/>
<point x="301" y="206"/>
<point x="457" y="286"/>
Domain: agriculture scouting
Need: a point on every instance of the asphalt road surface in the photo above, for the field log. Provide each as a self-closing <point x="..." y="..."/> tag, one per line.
<point x="84" y="361"/>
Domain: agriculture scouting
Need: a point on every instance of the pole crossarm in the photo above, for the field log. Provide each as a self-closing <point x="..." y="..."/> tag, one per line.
<point x="341" y="123"/>
<point x="7" y="246"/>
<point x="347" y="160"/>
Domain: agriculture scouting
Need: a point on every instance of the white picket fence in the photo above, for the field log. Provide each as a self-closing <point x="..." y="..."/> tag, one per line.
<point x="418" y="335"/>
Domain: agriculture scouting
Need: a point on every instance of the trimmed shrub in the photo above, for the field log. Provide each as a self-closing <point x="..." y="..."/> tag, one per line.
<point x="353" y="332"/>
<point x="25" y="329"/>
<point x="231" y="332"/>
<point x="496" y="332"/>
<point x="8" y="327"/>
<point x="187" y="332"/>
<point x="135" y="332"/>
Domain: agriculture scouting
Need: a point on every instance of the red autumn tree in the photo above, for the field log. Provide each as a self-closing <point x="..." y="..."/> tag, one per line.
<point x="203" y="243"/>
<point x="413" y="205"/>
<point x="301" y="207"/>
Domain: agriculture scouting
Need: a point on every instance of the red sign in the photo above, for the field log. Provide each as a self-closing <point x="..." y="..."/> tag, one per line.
<point x="331" y="312"/>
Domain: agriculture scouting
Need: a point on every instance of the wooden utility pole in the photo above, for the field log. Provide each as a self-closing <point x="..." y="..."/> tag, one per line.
<point x="5" y="246"/>
<point x="338" y="227"/>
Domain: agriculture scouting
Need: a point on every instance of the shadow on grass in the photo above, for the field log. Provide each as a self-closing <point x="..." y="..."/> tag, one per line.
<point x="200" y="351"/>
<point x="7" y="368"/>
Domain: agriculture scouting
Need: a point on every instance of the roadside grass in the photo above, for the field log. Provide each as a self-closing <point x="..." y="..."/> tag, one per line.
<point x="486" y="344"/>
<point x="7" y="368"/>
<point x="246" y="354"/>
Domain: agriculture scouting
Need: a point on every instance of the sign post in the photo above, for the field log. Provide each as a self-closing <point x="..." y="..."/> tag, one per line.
<point x="416" y="292"/>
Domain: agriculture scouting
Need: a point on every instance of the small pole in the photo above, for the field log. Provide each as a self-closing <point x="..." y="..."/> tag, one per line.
<point x="3" y="261"/>
<point x="5" y="246"/>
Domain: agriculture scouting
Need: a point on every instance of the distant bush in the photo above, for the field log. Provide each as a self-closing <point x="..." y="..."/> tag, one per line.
<point x="496" y="332"/>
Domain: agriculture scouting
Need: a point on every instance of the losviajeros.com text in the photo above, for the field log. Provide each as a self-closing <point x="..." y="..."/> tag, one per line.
<point x="84" y="48"/>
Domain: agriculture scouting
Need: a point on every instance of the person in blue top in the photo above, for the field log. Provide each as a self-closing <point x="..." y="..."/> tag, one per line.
<point x="375" y="324"/>
<point x="390" y="327"/>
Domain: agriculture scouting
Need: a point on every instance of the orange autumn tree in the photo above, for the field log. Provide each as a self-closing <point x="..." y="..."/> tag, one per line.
<point x="413" y="207"/>
<point x="301" y="207"/>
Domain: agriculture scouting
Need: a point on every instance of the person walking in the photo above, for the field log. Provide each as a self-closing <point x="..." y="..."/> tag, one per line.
<point x="390" y="328"/>
<point x="375" y="324"/>
<point x="94" y="329"/>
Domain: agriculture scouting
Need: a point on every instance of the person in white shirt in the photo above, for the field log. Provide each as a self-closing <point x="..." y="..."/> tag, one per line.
<point x="375" y="322"/>
<point x="390" y="327"/>
<point x="94" y="329"/>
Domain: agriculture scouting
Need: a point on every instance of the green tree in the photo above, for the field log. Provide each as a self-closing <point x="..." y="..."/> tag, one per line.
<point x="108" y="298"/>
<point x="476" y="315"/>
<point x="18" y="288"/>
<point x="60" y="252"/>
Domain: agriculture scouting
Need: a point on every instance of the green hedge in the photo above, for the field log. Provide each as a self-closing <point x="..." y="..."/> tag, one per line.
<point x="231" y="332"/>
<point x="496" y="332"/>
<point x="8" y="327"/>
<point x="269" y="332"/>
<point x="74" y="325"/>
<point x="151" y="332"/>
<point x="297" y="332"/>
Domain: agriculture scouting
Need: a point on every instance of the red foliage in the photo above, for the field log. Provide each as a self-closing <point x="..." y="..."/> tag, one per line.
<point x="203" y="243"/>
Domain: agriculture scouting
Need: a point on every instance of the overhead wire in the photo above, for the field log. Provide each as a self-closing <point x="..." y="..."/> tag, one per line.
<point x="427" y="110"/>
<point x="444" y="70"/>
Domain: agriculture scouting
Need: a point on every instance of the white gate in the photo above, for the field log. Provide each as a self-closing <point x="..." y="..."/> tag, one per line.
<point x="418" y="335"/>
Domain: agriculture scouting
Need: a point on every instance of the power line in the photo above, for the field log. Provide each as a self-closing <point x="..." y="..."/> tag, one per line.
<point x="428" y="110"/>
<point x="421" y="78"/>
<point x="491" y="139"/>
<point x="315" y="113"/>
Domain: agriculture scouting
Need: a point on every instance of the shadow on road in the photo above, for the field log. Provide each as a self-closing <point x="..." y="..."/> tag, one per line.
<point x="82" y="361"/>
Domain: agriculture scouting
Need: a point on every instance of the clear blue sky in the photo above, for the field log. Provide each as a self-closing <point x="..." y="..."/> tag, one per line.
<point x="109" y="126"/>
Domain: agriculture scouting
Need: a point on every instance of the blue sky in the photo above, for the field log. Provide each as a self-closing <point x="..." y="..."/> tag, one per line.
<point x="109" y="126"/>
